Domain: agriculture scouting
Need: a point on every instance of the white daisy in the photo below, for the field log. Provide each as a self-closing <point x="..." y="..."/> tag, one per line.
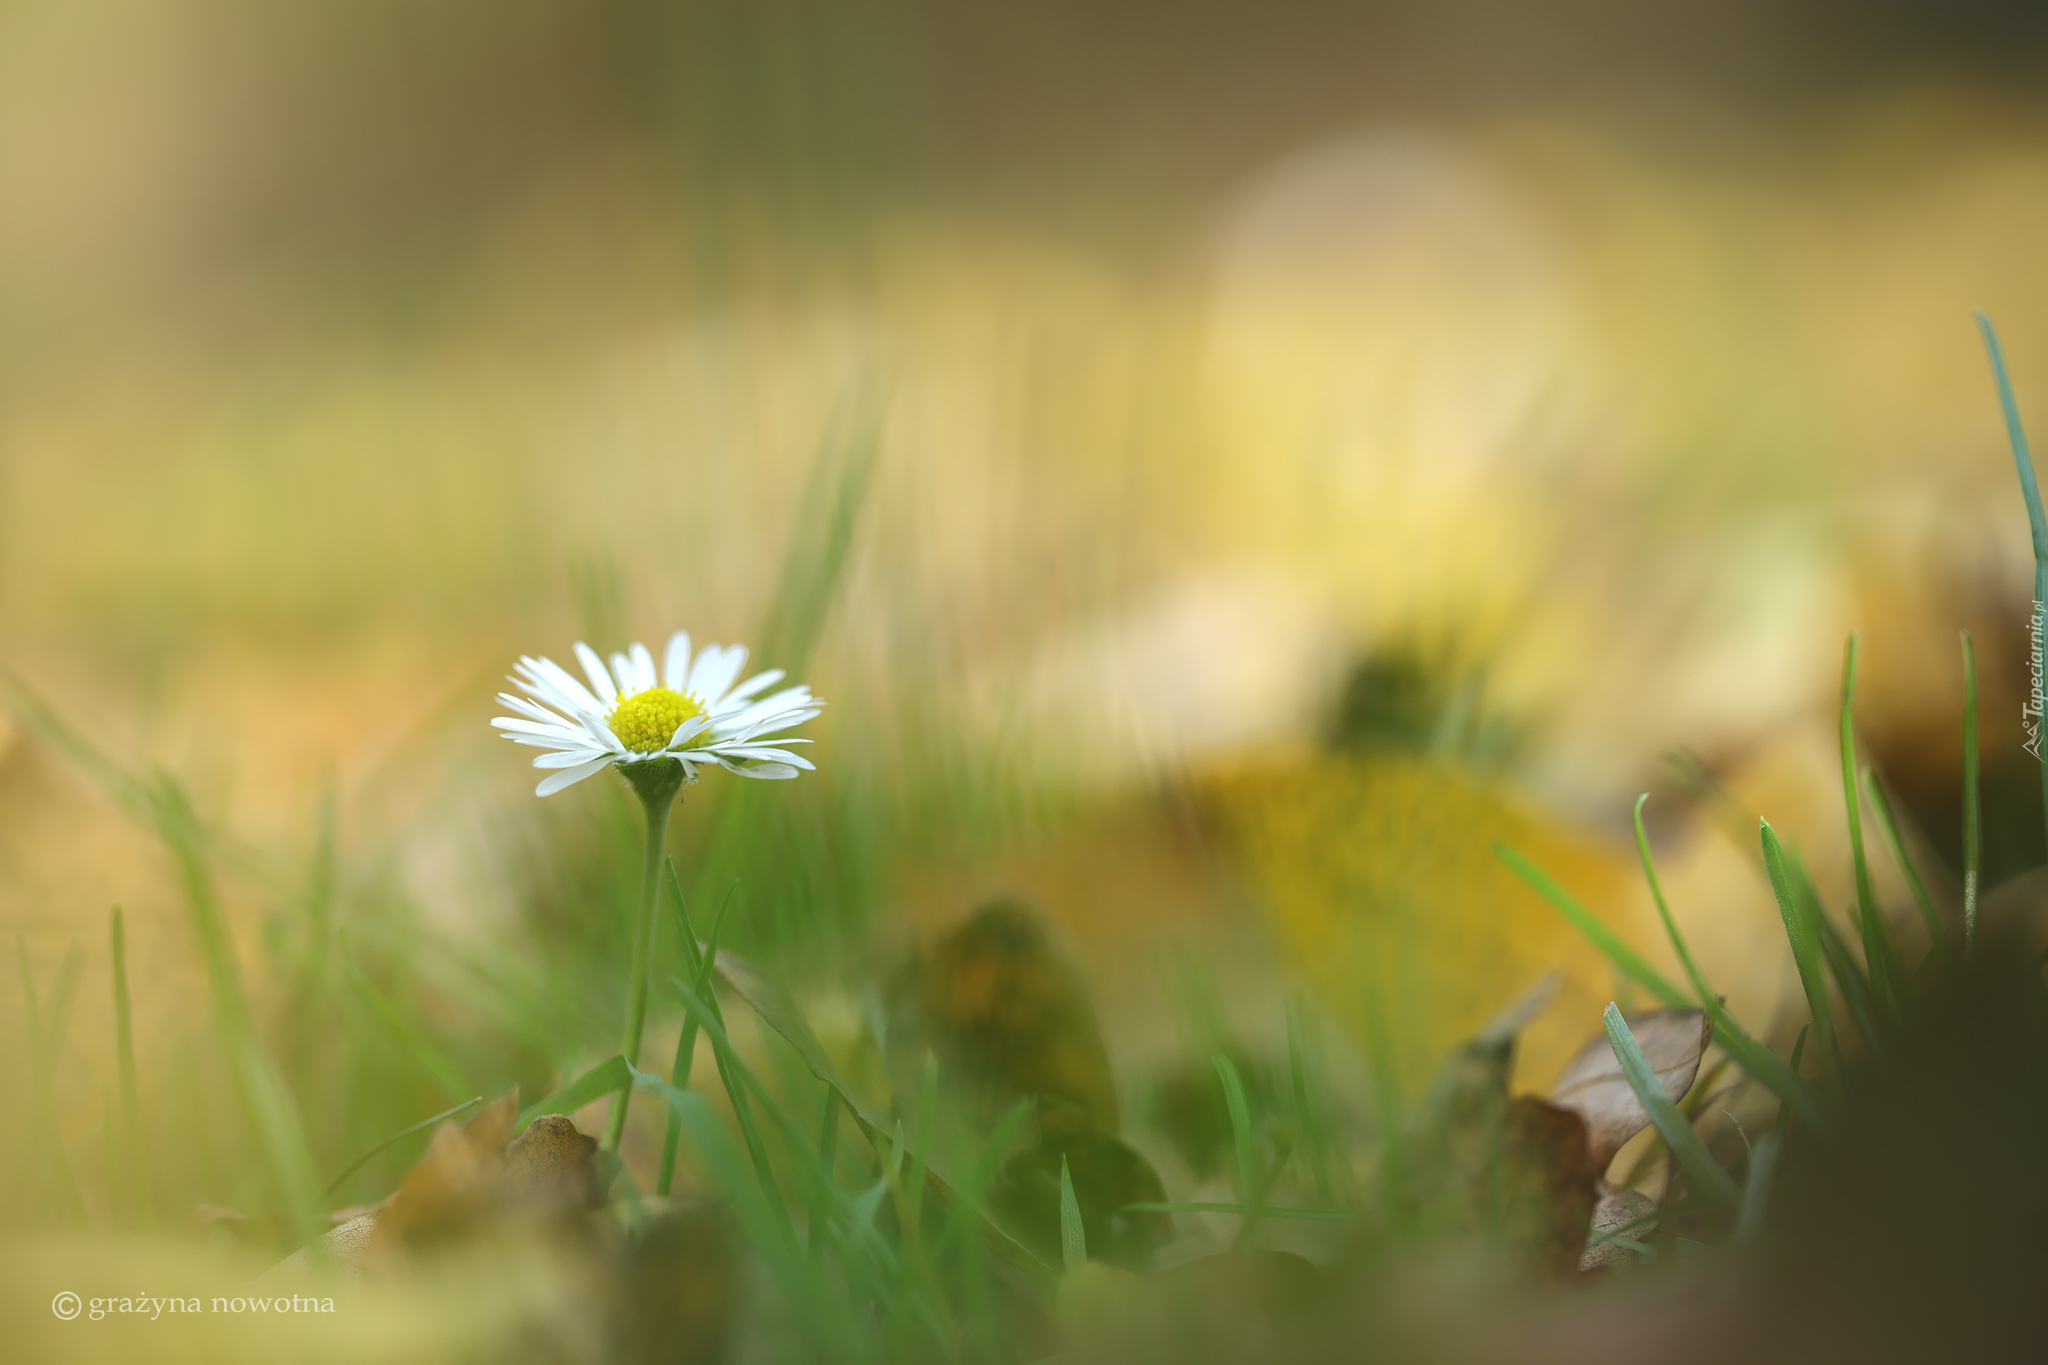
<point x="692" y="713"/>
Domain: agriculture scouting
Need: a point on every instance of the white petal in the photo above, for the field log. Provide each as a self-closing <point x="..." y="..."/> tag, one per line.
<point x="688" y="731"/>
<point x="623" y="667"/>
<point x="600" y="680"/>
<point x="715" y="670"/>
<point x="569" y="758"/>
<point x="569" y="777"/>
<point x="572" y="695"/>
<point x="730" y="701"/>
<point x="643" y="668"/>
<point x="551" y="728"/>
<point x="771" y="771"/>
<point x="675" y="668"/>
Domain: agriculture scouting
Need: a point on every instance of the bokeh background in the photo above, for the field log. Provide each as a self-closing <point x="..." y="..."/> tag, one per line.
<point x="1225" y="464"/>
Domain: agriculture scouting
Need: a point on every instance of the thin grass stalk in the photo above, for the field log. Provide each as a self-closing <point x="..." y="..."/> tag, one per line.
<point x="1878" y="958"/>
<point x="1073" y="1232"/>
<point x="2030" y="490"/>
<point x="1680" y="1138"/>
<point x="1802" y="930"/>
<point x="270" y="1107"/>
<point x="142" y="1202"/>
<point x="1973" y="813"/>
<point x="64" y="1184"/>
<point x="1888" y="826"/>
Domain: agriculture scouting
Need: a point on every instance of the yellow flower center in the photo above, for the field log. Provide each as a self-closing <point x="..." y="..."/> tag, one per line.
<point x="646" y="721"/>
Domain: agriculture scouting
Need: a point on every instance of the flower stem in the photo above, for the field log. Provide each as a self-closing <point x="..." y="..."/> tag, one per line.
<point x="656" y="784"/>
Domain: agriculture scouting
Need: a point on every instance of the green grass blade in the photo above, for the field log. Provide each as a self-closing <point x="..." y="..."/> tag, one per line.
<point x="57" y="1024"/>
<point x="142" y="1198"/>
<point x="1265" y="1211"/>
<point x="828" y="1157"/>
<point x="1973" y="814"/>
<point x="410" y="1039"/>
<point x="1679" y="1136"/>
<point x="1798" y="1052"/>
<point x="1762" y="1064"/>
<point x="61" y="1176"/>
<point x="818" y="1313"/>
<point x="1248" y="1186"/>
<point x="1309" y="1112"/>
<point x="1625" y="959"/>
<point x="400" y="1136"/>
<point x="1802" y="930"/>
<point x="1678" y="945"/>
<point x="2030" y="491"/>
<point x="270" y="1106"/>
<point x="686" y="1040"/>
<point x="1756" y="1188"/>
<point x="1888" y="826"/>
<point x="1073" y="1235"/>
<point x="1886" y="981"/>
<point x="734" y="1073"/>
<point x="921" y="1142"/>
<point x="1854" y="987"/>
<point x="968" y="1202"/>
<point x="601" y="1080"/>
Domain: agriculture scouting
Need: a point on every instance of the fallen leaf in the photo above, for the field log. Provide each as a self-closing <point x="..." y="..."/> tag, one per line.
<point x="457" y="1186"/>
<point x="1617" y="1208"/>
<point x="1107" y="1174"/>
<point x="1005" y="1014"/>
<point x="552" y="1165"/>
<point x="1593" y="1086"/>
<point x="1519" y="1170"/>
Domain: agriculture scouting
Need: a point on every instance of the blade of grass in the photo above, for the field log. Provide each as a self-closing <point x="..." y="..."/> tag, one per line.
<point x="1886" y="983"/>
<point x="817" y="1312"/>
<point x="1073" y="1234"/>
<point x="270" y="1106"/>
<point x="1625" y="958"/>
<point x="1854" y="988"/>
<point x="1802" y="930"/>
<point x="959" y="1218"/>
<point x="1680" y="1138"/>
<point x="143" y="1198"/>
<point x="1762" y="1064"/>
<point x="730" y="1069"/>
<point x="686" y="1041"/>
<point x="61" y="1178"/>
<point x="1973" y="815"/>
<point x="414" y="1043"/>
<point x="1798" y="1052"/>
<point x="828" y="1155"/>
<point x="1308" y="1111"/>
<point x="1248" y="1187"/>
<point x="1888" y="826"/>
<point x="601" y="1080"/>
<point x="400" y="1136"/>
<point x="1678" y="944"/>
<point x="2030" y="491"/>
<point x="1763" y="1164"/>
<point x="1265" y="1211"/>
<point x="927" y="1105"/>
<point x="773" y="1005"/>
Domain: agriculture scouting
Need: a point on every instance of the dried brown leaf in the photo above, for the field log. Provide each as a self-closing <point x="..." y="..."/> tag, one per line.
<point x="1592" y="1084"/>
<point x="1006" y="1015"/>
<point x="1617" y="1208"/>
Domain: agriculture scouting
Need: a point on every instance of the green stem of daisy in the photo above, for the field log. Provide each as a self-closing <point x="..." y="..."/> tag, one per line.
<point x="656" y="784"/>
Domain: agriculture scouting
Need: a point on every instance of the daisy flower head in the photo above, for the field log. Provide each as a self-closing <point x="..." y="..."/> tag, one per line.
<point x="690" y="714"/>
